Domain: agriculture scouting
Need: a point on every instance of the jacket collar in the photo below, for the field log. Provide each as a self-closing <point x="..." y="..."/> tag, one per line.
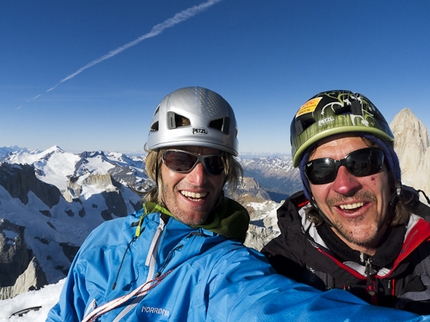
<point x="230" y="219"/>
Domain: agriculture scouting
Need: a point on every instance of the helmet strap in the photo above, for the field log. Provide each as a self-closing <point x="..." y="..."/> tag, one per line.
<point x="305" y="182"/>
<point x="397" y="195"/>
<point x="157" y="172"/>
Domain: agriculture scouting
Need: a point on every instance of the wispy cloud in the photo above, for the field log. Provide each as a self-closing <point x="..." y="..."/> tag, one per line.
<point x="156" y="30"/>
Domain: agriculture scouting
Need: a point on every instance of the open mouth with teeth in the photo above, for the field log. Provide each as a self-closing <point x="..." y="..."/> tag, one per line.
<point x="352" y="206"/>
<point x="194" y="195"/>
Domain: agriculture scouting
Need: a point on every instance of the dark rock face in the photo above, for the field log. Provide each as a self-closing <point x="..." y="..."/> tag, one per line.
<point x="19" y="180"/>
<point x="19" y="269"/>
<point x="14" y="255"/>
<point x="32" y="255"/>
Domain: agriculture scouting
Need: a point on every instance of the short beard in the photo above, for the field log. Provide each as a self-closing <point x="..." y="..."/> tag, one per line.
<point x="369" y="242"/>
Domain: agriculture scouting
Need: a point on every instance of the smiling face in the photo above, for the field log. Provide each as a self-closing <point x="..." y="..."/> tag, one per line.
<point x="190" y="197"/>
<point x="356" y="206"/>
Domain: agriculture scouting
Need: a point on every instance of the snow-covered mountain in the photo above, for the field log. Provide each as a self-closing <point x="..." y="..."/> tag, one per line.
<point x="6" y="151"/>
<point x="49" y="203"/>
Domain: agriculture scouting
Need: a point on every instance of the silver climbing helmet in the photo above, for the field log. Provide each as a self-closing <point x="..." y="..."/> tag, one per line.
<point x="194" y="116"/>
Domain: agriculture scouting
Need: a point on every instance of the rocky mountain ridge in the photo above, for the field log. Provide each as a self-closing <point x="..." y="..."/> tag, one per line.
<point x="412" y="145"/>
<point x="275" y="174"/>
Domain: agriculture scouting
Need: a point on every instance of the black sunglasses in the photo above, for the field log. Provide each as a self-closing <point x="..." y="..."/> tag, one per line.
<point x="184" y="161"/>
<point x="360" y="163"/>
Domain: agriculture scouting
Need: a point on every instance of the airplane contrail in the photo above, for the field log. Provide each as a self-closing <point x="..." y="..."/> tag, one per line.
<point x="156" y="30"/>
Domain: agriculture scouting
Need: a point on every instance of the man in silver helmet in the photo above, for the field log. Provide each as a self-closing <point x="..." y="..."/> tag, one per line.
<point x="354" y="227"/>
<point x="181" y="257"/>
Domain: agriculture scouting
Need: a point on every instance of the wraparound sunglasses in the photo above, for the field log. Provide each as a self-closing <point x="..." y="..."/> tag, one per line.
<point x="184" y="161"/>
<point x="360" y="163"/>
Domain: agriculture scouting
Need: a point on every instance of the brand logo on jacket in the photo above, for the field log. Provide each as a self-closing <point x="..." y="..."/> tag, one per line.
<point x="155" y="310"/>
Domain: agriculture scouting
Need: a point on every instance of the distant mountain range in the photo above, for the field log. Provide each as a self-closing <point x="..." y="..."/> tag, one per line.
<point x="276" y="175"/>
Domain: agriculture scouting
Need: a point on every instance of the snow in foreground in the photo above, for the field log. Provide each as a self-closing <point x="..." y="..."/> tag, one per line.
<point x="46" y="297"/>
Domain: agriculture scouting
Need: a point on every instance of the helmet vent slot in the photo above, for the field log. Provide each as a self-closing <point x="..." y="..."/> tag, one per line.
<point x="356" y="108"/>
<point x="350" y="106"/>
<point x="222" y="124"/>
<point x="154" y="127"/>
<point x="302" y="123"/>
<point x="175" y="120"/>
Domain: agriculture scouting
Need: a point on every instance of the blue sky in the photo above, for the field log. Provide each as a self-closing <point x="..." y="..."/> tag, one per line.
<point x="62" y="83"/>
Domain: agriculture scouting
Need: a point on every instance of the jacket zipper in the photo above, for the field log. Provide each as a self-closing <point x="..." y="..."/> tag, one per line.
<point x="169" y="256"/>
<point x="348" y="269"/>
<point x="150" y="262"/>
<point x="152" y="253"/>
<point x="370" y="280"/>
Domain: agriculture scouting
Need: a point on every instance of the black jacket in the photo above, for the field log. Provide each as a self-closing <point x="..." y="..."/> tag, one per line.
<point x="398" y="275"/>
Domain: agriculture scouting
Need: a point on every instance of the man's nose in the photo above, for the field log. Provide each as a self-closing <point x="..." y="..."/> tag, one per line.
<point x="345" y="183"/>
<point x="198" y="175"/>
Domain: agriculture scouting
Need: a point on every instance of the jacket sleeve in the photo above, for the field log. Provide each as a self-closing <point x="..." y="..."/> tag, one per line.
<point x="249" y="290"/>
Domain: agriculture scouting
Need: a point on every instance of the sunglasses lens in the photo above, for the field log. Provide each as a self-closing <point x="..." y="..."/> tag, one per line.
<point x="321" y="171"/>
<point x="360" y="163"/>
<point x="179" y="161"/>
<point x="214" y="164"/>
<point x="365" y="162"/>
<point x="183" y="162"/>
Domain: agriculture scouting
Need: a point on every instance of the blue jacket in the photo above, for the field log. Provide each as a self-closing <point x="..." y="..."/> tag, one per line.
<point x="192" y="274"/>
